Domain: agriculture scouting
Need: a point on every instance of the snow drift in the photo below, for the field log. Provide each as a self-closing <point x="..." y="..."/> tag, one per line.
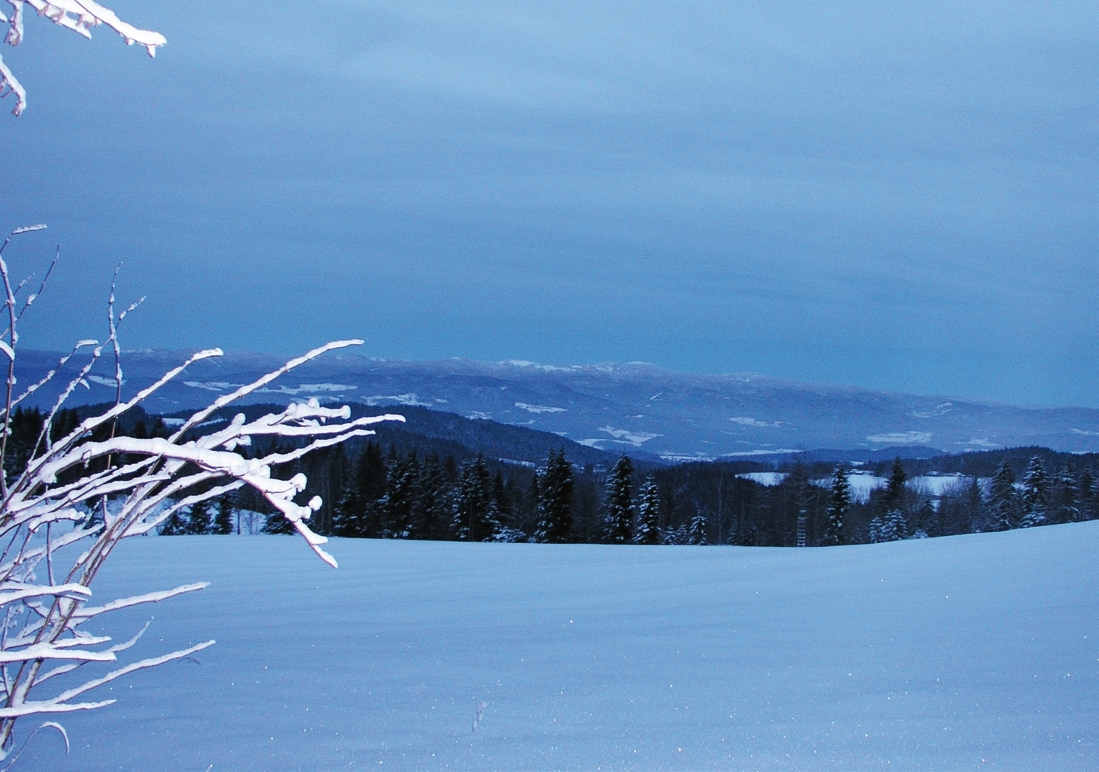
<point x="952" y="653"/>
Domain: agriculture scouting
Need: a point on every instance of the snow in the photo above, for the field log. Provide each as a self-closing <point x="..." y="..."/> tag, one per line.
<point x="938" y="485"/>
<point x="309" y="388"/>
<point x="539" y="408"/>
<point x="861" y="484"/>
<point x="396" y="399"/>
<point x="100" y="380"/>
<point x="212" y="385"/>
<point x="910" y="655"/>
<point x="769" y="479"/>
<point x="900" y="438"/>
<point x="627" y="437"/>
<point x="746" y="421"/>
<point x="760" y="452"/>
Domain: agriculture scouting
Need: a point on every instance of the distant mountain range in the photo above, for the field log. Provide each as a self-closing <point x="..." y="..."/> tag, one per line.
<point x="638" y="408"/>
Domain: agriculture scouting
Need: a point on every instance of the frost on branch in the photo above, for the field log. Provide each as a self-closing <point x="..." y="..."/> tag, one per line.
<point x="44" y="600"/>
<point x="77" y="15"/>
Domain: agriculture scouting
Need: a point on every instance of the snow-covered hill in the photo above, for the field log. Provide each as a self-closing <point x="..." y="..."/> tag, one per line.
<point x="958" y="653"/>
<point x="636" y="408"/>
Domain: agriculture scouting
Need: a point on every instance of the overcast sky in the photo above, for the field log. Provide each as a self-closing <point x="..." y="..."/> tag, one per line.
<point x="900" y="196"/>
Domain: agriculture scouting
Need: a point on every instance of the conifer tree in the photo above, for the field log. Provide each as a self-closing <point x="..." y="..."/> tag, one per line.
<point x="1085" y="494"/>
<point x="276" y="523"/>
<point x="223" y="520"/>
<point x="175" y="525"/>
<point x="1003" y="501"/>
<point x="894" y="488"/>
<point x="839" y="503"/>
<point x="1065" y="496"/>
<point x="198" y="521"/>
<point x="502" y="497"/>
<point x="696" y="530"/>
<point x="395" y="508"/>
<point x="474" y="510"/>
<point x="1035" y="498"/>
<point x="927" y="519"/>
<point x="618" y="502"/>
<point x="360" y="493"/>
<point x="648" y="513"/>
<point x="555" y="499"/>
<point x="892" y="526"/>
<point x="676" y="535"/>
<point x="432" y="505"/>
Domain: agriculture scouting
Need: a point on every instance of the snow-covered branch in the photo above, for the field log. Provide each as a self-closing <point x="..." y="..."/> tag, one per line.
<point x="44" y="504"/>
<point x="80" y="16"/>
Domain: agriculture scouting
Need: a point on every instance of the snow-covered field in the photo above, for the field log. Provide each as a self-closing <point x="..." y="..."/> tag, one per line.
<point x="971" y="652"/>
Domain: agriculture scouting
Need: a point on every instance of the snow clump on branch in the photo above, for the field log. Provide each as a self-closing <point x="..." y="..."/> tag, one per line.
<point x="80" y="16"/>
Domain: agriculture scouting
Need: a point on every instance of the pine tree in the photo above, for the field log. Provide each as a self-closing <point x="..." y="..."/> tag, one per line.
<point x="618" y="502"/>
<point x="1003" y="501"/>
<point x="474" y="510"/>
<point x="839" y="503"/>
<point x="648" y="513"/>
<point x="1035" y="498"/>
<point x="555" y="494"/>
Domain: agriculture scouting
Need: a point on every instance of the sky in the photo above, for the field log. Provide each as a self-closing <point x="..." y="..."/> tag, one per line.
<point x="897" y="197"/>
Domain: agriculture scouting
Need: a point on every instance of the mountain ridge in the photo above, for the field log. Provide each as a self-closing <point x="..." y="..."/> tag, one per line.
<point x="636" y="407"/>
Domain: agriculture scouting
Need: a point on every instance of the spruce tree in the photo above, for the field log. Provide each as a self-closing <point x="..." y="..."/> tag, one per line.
<point x="432" y="505"/>
<point x="395" y="508"/>
<point x="892" y="526"/>
<point x="1035" y="498"/>
<point x="1065" y="496"/>
<point x="500" y="494"/>
<point x="696" y="530"/>
<point x="618" y="502"/>
<point x="648" y="513"/>
<point x="223" y="520"/>
<point x="198" y="521"/>
<point x="1003" y="501"/>
<point x="894" y="488"/>
<point x="839" y="503"/>
<point x="474" y="510"/>
<point x="555" y="499"/>
<point x="276" y="522"/>
<point x="927" y="519"/>
<point x="1086" y="494"/>
<point x="360" y="493"/>
<point x="175" y="524"/>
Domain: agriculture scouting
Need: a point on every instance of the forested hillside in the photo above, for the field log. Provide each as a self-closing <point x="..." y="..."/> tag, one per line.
<point x="443" y="476"/>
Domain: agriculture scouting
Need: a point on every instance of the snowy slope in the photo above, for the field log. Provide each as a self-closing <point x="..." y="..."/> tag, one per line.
<point x="636" y="408"/>
<point x="949" y="654"/>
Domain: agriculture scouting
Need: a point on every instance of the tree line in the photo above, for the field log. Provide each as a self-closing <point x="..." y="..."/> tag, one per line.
<point x="372" y="491"/>
<point x="387" y="493"/>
